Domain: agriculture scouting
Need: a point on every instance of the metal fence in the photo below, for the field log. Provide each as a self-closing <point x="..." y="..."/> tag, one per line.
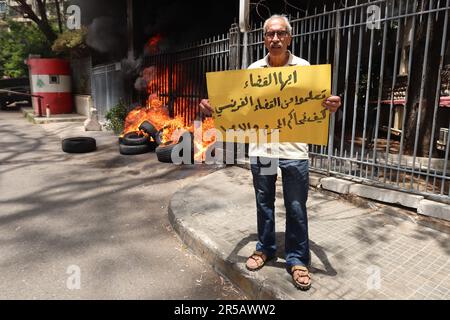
<point x="179" y="78"/>
<point x="387" y="71"/>
<point x="390" y="62"/>
<point x="107" y="87"/>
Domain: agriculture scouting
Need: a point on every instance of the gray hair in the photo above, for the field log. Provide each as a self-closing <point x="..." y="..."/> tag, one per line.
<point x="278" y="16"/>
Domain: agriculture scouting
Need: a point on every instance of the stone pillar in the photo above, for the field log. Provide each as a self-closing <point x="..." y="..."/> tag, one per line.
<point x="91" y="123"/>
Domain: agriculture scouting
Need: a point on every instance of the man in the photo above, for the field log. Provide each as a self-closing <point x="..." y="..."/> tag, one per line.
<point x="292" y="159"/>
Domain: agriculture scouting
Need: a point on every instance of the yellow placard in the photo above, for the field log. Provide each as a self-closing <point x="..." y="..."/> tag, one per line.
<point x="288" y="99"/>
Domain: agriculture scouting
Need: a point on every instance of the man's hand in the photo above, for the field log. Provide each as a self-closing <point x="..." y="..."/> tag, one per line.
<point x="205" y="108"/>
<point x="332" y="103"/>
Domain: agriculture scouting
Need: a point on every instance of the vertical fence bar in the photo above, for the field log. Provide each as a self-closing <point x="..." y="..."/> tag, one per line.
<point x="380" y="89"/>
<point x="358" y="70"/>
<point x="422" y="87"/>
<point x="337" y="44"/>
<point x="189" y="90"/>
<point x="319" y="36"/>
<point x="310" y="38"/>
<point x="366" y="106"/>
<point x="330" y="24"/>
<point x="295" y="32"/>
<point x="328" y="37"/>
<point x="444" y="173"/>
<point x="411" y="51"/>
<point x="197" y="69"/>
<point x="245" y="48"/>
<point x="394" y="80"/>
<point x="438" y="88"/>
<point x="347" y="72"/>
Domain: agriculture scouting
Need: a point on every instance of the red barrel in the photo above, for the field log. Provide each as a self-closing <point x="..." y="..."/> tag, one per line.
<point x="50" y="78"/>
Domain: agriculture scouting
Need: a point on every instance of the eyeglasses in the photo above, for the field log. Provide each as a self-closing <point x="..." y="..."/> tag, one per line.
<point x="280" y="34"/>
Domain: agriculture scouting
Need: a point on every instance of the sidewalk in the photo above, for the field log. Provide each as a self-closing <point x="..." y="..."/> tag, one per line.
<point x="357" y="253"/>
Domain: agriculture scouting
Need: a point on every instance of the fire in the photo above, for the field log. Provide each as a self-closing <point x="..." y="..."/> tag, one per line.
<point x="171" y="128"/>
<point x="161" y="79"/>
<point x="205" y="139"/>
<point x="155" y="113"/>
<point x="157" y="80"/>
<point x="152" y="44"/>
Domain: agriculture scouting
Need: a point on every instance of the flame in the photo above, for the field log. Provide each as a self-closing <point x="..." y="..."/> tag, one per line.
<point x="171" y="128"/>
<point x="159" y="80"/>
<point x="207" y="138"/>
<point x="152" y="44"/>
<point x="155" y="82"/>
<point x="155" y="113"/>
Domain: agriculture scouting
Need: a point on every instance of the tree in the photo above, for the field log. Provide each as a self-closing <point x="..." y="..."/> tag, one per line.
<point x="17" y="44"/>
<point x="72" y="42"/>
<point x="39" y="17"/>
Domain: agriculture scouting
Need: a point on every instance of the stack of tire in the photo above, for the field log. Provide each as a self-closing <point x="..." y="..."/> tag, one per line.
<point x="165" y="150"/>
<point x="134" y="143"/>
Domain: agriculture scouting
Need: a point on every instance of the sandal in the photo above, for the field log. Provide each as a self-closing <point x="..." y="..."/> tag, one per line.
<point x="302" y="273"/>
<point x="260" y="258"/>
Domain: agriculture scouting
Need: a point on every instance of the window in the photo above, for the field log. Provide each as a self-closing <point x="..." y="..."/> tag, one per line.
<point x="54" y="79"/>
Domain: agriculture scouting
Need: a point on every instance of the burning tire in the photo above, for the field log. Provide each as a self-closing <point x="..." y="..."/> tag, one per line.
<point x="148" y="128"/>
<point x="79" y="145"/>
<point x="152" y="145"/>
<point x="134" y="149"/>
<point x="165" y="152"/>
<point x="133" y="139"/>
<point x="158" y="137"/>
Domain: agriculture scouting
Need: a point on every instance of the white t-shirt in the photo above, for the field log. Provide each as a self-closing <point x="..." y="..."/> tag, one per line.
<point x="282" y="150"/>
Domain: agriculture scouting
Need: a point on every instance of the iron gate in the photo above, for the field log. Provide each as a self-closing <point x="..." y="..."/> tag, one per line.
<point x="179" y="77"/>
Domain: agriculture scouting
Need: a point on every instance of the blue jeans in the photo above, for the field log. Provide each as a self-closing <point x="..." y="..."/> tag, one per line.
<point x="295" y="178"/>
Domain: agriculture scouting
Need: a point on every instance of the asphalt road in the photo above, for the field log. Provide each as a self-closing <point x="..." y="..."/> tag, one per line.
<point x="92" y="226"/>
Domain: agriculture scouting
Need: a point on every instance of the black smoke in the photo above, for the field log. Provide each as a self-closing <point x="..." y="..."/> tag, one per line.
<point x="106" y="22"/>
<point x="182" y="22"/>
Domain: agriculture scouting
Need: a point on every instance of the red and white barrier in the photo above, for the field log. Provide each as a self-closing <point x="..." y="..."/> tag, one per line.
<point x="50" y="78"/>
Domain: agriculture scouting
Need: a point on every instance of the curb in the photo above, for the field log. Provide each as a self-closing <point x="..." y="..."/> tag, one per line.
<point x="251" y="283"/>
<point x="29" y="115"/>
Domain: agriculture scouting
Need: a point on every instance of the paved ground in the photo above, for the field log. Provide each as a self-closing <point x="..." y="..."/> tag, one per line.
<point x="107" y="214"/>
<point x="101" y="212"/>
<point x="357" y="253"/>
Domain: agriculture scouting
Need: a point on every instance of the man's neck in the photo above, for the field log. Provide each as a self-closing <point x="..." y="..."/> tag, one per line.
<point x="278" y="61"/>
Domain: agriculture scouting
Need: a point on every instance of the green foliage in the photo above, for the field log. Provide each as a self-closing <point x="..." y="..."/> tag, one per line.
<point x="116" y="118"/>
<point x="16" y="44"/>
<point x="71" y="41"/>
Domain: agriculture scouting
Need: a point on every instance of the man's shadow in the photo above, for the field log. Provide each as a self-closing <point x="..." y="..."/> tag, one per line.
<point x="315" y="248"/>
